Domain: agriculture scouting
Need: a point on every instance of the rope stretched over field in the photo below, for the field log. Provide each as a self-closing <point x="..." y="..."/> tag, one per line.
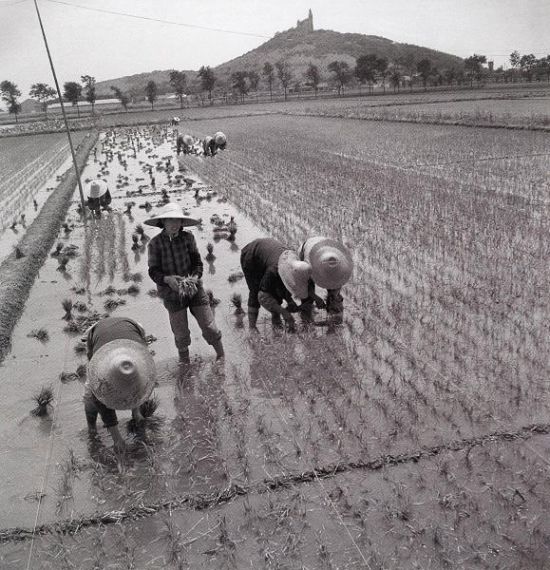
<point x="203" y="501"/>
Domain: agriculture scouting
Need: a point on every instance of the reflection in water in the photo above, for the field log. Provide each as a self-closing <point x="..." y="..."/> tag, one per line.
<point x="211" y="268"/>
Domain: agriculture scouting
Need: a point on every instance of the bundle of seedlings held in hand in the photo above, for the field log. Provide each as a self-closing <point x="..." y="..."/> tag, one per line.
<point x="43" y="400"/>
<point x="187" y="287"/>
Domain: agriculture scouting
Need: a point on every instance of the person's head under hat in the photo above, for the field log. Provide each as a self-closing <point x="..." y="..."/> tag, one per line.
<point x="97" y="188"/>
<point x="294" y="274"/>
<point x="172" y="219"/>
<point x="220" y="139"/>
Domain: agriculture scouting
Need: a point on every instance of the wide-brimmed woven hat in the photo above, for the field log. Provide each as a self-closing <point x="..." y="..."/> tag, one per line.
<point x="294" y="273"/>
<point x="97" y="188"/>
<point x="220" y="138"/>
<point x="170" y="210"/>
<point x="176" y="119"/>
<point x="188" y="140"/>
<point x="121" y="374"/>
<point x="331" y="262"/>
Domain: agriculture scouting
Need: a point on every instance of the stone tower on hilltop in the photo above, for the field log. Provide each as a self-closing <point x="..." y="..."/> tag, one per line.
<point x="305" y="26"/>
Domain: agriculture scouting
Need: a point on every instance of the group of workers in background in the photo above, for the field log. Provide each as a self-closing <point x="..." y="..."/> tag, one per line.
<point x="121" y="371"/>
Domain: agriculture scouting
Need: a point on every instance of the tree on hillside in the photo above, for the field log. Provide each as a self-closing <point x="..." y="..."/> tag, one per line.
<point x="89" y="85"/>
<point x="208" y="80"/>
<point x="269" y="73"/>
<point x="253" y="80"/>
<point x="121" y="96"/>
<point x="473" y="66"/>
<point x="527" y="64"/>
<point x="313" y="76"/>
<point x="239" y="83"/>
<point x="284" y="73"/>
<point x="382" y="70"/>
<point x="342" y="74"/>
<point x="72" y="91"/>
<point x="178" y="80"/>
<point x="9" y="93"/>
<point x="42" y="93"/>
<point x="514" y="62"/>
<point x="408" y="64"/>
<point x="365" y="69"/>
<point x="151" y="92"/>
<point x="544" y="67"/>
<point x="424" y="68"/>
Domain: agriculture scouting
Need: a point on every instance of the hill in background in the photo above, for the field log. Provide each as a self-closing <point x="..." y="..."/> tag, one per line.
<point x="298" y="46"/>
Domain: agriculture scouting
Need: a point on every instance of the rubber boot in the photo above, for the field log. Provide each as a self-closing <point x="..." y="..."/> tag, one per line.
<point x="252" y="317"/>
<point x="184" y="356"/>
<point x="218" y="347"/>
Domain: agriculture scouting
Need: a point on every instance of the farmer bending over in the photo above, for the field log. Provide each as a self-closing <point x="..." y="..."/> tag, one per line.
<point x="120" y="376"/>
<point x="98" y="197"/>
<point x="331" y="268"/>
<point x="273" y="274"/>
<point x="184" y="144"/>
<point x="211" y="145"/>
<point x="175" y="265"/>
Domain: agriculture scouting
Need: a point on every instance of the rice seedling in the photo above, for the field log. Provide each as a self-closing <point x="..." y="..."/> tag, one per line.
<point x="133" y="289"/>
<point x="63" y="260"/>
<point x="212" y="301"/>
<point x="43" y="399"/>
<point x="112" y="304"/>
<point x="152" y="293"/>
<point x="149" y="407"/>
<point x="135" y="240"/>
<point x="80" y="306"/>
<point x="210" y="249"/>
<point x="110" y="290"/>
<point x="235" y="276"/>
<point x="18" y="252"/>
<point x="66" y="377"/>
<point x="39" y="334"/>
<point x="237" y="302"/>
<point x="81" y="370"/>
<point x="71" y="327"/>
<point x="135" y="277"/>
<point x="80" y="348"/>
<point x="67" y="305"/>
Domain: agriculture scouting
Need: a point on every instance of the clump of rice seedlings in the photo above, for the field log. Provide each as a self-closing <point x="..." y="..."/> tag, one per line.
<point x="79" y="290"/>
<point x="57" y="250"/>
<point x="81" y="370"/>
<point x="63" y="261"/>
<point x="110" y="290"/>
<point x="187" y="286"/>
<point x="66" y="228"/>
<point x="237" y="301"/>
<point x="67" y="305"/>
<point x="80" y="348"/>
<point x="133" y="289"/>
<point x="136" y="244"/>
<point x="129" y="206"/>
<point x="135" y="277"/>
<point x="149" y="407"/>
<point x="43" y="399"/>
<point x="210" y="249"/>
<point x="71" y="327"/>
<point x="235" y="276"/>
<point x="80" y="306"/>
<point x="18" y="252"/>
<point x="39" y="334"/>
<point x="153" y="293"/>
<point x="213" y="302"/>
<point x="149" y="339"/>
<point x="71" y="250"/>
<point x="112" y="304"/>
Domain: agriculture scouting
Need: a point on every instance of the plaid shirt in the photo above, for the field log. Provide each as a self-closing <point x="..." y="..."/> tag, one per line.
<point x="173" y="256"/>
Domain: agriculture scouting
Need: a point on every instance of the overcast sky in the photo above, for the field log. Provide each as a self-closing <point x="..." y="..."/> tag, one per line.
<point x="106" y="46"/>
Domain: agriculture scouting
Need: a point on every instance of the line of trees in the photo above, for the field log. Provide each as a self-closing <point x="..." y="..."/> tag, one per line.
<point x="369" y="70"/>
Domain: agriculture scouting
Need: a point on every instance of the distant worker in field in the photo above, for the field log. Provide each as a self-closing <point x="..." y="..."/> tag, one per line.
<point x="120" y="375"/>
<point x="331" y="268"/>
<point x="174" y="122"/>
<point x="99" y="197"/>
<point x="274" y="274"/>
<point x="175" y="265"/>
<point x="185" y="144"/>
<point x="211" y="145"/>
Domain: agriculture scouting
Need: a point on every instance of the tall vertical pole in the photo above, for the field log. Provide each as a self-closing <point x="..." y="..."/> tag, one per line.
<point x="77" y="171"/>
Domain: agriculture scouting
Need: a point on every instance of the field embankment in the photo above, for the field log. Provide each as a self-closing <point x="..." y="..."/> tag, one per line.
<point x="18" y="273"/>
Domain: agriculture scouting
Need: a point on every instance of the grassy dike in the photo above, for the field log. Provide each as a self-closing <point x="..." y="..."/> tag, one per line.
<point x="17" y="275"/>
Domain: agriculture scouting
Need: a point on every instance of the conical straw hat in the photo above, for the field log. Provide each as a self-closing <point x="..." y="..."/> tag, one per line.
<point x="220" y="138"/>
<point x="121" y="374"/>
<point x="331" y="262"/>
<point x="97" y="189"/>
<point x="294" y="273"/>
<point x="170" y="210"/>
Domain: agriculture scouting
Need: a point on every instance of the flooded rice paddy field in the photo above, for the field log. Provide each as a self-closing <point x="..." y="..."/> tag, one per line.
<point x="343" y="449"/>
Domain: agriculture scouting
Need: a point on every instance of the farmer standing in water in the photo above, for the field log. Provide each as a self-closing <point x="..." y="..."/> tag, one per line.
<point x="175" y="265"/>
<point x="211" y="145"/>
<point x="120" y="375"/>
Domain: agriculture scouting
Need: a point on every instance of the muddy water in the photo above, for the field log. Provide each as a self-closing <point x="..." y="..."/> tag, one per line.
<point x="212" y="418"/>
